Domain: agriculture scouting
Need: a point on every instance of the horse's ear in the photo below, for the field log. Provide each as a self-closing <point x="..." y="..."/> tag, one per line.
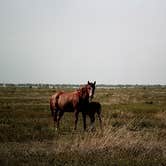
<point x="88" y="82"/>
<point x="94" y="82"/>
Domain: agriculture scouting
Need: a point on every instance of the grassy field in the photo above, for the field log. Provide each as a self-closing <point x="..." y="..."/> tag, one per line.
<point x="134" y="133"/>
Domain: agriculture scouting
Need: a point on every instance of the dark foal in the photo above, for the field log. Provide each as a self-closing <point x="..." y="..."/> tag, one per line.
<point x="75" y="102"/>
<point x="93" y="108"/>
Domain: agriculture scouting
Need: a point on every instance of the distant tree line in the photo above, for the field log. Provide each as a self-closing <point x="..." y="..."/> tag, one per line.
<point x="29" y="85"/>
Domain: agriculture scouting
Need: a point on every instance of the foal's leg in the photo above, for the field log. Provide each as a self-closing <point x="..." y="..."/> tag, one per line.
<point x="99" y="116"/>
<point x="100" y="121"/>
<point x="84" y="120"/>
<point x="92" y="119"/>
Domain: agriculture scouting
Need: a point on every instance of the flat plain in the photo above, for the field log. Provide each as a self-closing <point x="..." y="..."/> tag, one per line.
<point x="134" y="129"/>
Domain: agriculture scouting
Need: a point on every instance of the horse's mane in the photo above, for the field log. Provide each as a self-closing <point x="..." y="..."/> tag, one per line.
<point x="83" y="93"/>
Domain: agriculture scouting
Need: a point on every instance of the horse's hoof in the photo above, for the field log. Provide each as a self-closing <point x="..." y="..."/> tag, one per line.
<point x="55" y="129"/>
<point x="74" y="129"/>
<point x="92" y="129"/>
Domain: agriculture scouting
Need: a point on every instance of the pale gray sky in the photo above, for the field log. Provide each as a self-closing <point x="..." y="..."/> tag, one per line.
<point x="72" y="41"/>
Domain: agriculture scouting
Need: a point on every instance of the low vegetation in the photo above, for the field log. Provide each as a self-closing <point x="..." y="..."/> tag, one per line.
<point x="134" y="131"/>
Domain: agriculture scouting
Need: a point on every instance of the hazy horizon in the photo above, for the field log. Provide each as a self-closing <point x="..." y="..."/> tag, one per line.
<point x="77" y="84"/>
<point x="71" y="42"/>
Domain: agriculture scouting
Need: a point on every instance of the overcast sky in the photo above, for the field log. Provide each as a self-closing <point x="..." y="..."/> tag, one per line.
<point x="72" y="41"/>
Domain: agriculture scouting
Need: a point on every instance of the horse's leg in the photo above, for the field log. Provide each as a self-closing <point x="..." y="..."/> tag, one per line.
<point x="84" y="120"/>
<point x="60" y="114"/>
<point x="100" y="121"/>
<point x="76" y="119"/>
<point x="55" y="117"/>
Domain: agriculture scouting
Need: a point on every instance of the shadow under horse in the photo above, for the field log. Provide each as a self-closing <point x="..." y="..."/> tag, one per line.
<point x="76" y="102"/>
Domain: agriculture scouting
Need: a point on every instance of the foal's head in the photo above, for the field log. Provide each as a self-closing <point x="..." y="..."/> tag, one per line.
<point x="92" y="89"/>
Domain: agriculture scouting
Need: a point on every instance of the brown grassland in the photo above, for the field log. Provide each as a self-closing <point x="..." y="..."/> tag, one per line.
<point x="134" y="129"/>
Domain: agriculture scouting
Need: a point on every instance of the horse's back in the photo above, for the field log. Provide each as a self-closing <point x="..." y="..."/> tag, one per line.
<point x="68" y="101"/>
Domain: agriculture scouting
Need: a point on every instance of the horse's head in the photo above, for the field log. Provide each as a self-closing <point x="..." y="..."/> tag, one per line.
<point x="87" y="91"/>
<point x="91" y="89"/>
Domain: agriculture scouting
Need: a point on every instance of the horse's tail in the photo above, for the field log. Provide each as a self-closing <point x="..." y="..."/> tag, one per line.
<point x="54" y="102"/>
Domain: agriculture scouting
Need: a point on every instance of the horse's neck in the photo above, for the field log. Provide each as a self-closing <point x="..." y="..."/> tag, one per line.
<point x="78" y="91"/>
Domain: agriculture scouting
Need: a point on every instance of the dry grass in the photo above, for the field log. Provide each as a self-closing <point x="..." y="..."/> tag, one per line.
<point x="134" y="129"/>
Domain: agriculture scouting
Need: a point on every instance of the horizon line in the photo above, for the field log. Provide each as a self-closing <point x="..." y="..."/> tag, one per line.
<point x="76" y="84"/>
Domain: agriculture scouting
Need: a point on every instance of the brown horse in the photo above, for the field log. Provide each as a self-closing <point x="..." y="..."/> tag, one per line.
<point x="94" y="107"/>
<point x="76" y="102"/>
